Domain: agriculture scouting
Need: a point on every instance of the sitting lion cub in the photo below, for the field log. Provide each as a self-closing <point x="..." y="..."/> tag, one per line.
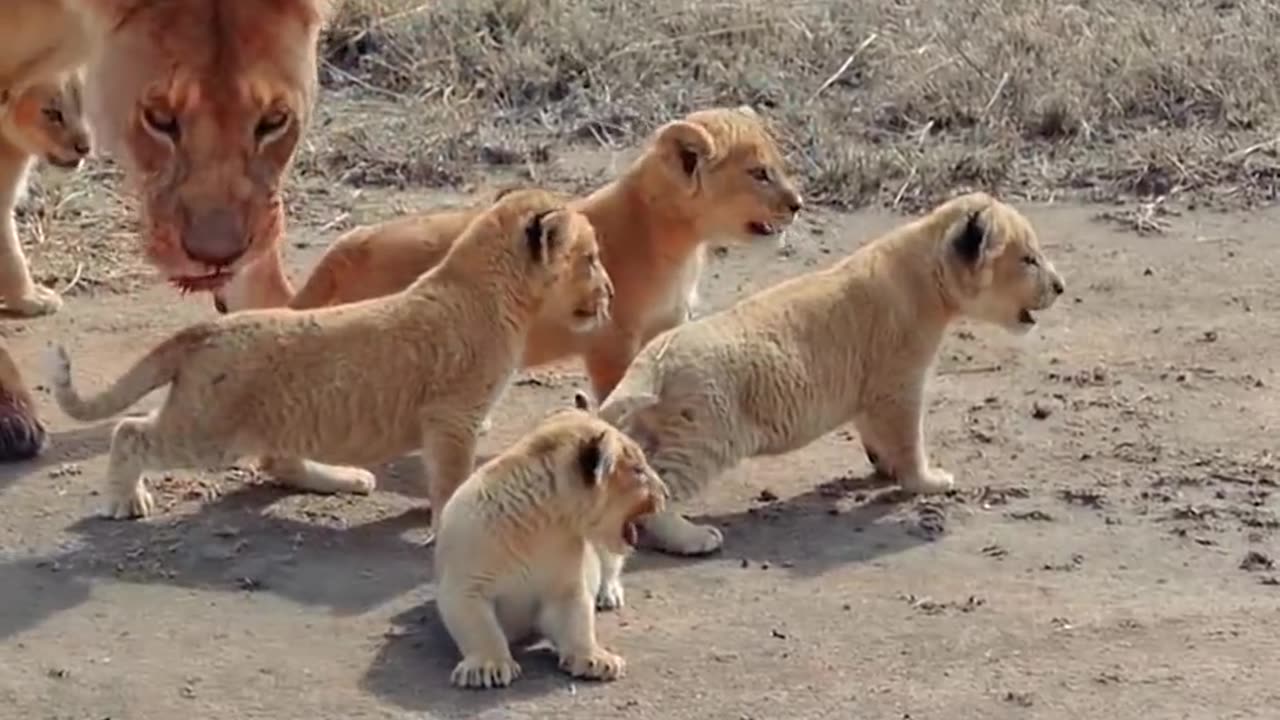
<point x="852" y="342"/>
<point x="515" y="554"/>
<point x="356" y="384"/>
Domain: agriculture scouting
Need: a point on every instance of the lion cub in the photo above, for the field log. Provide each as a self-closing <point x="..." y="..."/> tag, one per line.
<point x="39" y="120"/>
<point x="714" y="174"/>
<point x="515" y="554"/>
<point x="350" y="385"/>
<point x="853" y="342"/>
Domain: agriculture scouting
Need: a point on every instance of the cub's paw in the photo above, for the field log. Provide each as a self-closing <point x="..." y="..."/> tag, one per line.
<point x="41" y="301"/>
<point x="610" y="596"/>
<point x="22" y="435"/>
<point x="485" y="426"/>
<point x="673" y="534"/>
<point x="930" y="482"/>
<point x="484" y="674"/>
<point x="599" y="665"/>
<point x="135" y="505"/>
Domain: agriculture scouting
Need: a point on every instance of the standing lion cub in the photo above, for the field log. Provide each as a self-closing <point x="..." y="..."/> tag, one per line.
<point x="355" y="384"/>
<point x="853" y="342"/>
<point x="515" y="553"/>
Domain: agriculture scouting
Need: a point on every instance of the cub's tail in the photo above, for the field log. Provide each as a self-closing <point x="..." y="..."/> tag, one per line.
<point x="156" y="368"/>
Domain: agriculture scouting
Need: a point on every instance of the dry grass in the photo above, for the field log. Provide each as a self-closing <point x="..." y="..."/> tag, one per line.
<point x="883" y="100"/>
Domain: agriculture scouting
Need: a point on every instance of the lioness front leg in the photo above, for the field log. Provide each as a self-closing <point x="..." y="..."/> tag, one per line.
<point x="448" y="453"/>
<point x="22" y="434"/>
<point x="21" y="295"/>
<point x="318" y="477"/>
<point x="486" y="654"/>
<point x="569" y="622"/>
<point x="897" y="424"/>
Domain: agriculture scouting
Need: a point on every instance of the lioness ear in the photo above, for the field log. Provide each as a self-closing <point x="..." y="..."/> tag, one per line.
<point x="970" y="241"/>
<point x="594" y="459"/>
<point x="690" y="145"/>
<point x="540" y="236"/>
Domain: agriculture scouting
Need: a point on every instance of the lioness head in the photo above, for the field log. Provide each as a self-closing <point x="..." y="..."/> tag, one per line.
<point x="604" y="476"/>
<point x="203" y="102"/>
<point x="994" y="264"/>
<point x="561" y="244"/>
<point x="46" y="119"/>
<point x="727" y="171"/>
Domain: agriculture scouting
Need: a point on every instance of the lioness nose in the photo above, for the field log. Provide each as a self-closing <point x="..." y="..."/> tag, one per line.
<point x="215" y="237"/>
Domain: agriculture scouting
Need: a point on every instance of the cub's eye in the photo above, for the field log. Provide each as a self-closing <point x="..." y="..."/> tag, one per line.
<point x="1030" y="260"/>
<point x="53" y="115"/>
<point x="759" y="173"/>
<point x="160" y="122"/>
<point x="271" y="124"/>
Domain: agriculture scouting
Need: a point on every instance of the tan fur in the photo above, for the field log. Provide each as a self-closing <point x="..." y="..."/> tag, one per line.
<point x="319" y="391"/>
<point x="716" y="173"/>
<point x="853" y="342"/>
<point x="517" y="544"/>
<point x="40" y="120"/>
<point x="203" y="103"/>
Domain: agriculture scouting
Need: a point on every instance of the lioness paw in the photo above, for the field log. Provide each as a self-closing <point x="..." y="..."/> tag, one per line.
<point x="137" y="504"/>
<point x="599" y="665"/>
<point x="485" y="674"/>
<point x="41" y="301"/>
<point x="930" y="482"/>
<point x="610" y="595"/>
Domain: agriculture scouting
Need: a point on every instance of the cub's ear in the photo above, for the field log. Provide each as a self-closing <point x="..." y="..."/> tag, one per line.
<point x="595" y="459"/>
<point x="970" y="240"/>
<point x="688" y="144"/>
<point x="540" y="236"/>
<point x="748" y="111"/>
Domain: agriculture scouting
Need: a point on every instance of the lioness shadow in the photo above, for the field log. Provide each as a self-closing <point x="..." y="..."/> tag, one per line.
<point x="412" y="670"/>
<point x="70" y="446"/>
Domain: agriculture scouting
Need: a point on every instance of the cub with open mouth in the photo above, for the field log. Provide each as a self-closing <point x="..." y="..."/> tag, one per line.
<point x="516" y="546"/>
<point x="853" y="342"/>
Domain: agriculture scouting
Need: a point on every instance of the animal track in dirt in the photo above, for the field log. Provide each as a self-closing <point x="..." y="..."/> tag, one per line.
<point x="929" y="606"/>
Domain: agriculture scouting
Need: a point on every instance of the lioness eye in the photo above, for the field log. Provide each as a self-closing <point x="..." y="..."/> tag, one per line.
<point x="760" y="173"/>
<point x="270" y="124"/>
<point x="53" y="115"/>
<point x="161" y="122"/>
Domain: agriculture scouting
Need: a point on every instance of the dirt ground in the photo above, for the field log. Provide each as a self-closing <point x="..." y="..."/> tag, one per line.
<point x="1110" y="551"/>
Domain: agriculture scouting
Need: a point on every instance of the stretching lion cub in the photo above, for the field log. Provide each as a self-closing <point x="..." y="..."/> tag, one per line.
<point x="852" y="342"/>
<point x="716" y="173"/>
<point x="355" y="384"/>
<point x="515" y="551"/>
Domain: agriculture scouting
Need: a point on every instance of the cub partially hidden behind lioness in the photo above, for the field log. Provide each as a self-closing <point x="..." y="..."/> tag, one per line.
<point x="517" y="543"/>
<point x="355" y="384"/>
<point x="853" y="342"/>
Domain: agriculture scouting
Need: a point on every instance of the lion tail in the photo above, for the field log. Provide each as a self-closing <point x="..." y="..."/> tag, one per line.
<point x="156" y="368"/>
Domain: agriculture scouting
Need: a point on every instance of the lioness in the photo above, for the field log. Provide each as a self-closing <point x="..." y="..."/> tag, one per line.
<point x="319" y="391"/>
<point x="853" y="342"/>
<point x="515" y="553"/>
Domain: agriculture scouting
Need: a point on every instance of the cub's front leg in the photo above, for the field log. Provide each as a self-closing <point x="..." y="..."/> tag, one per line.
<point x="569" y="621"/>
<point x="448" y="454"/>
<point x="897" y="426"/>
<point x="473" y="625"/>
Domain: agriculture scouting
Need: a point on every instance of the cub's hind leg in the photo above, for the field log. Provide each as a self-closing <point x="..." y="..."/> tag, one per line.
<point x="139" y="444"/>
<point x="318" y="477"/>
<point x="448" y="454"/>
<point x="473" y="624"/>
<point x="897" y="424"/>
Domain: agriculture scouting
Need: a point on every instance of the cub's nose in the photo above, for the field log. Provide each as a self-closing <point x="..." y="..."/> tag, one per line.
<point x="1058" y="286"/>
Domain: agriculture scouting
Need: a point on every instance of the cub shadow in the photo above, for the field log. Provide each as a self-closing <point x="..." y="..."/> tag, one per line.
<point x="413" y="666"/>
<point x="851" y="519"/>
